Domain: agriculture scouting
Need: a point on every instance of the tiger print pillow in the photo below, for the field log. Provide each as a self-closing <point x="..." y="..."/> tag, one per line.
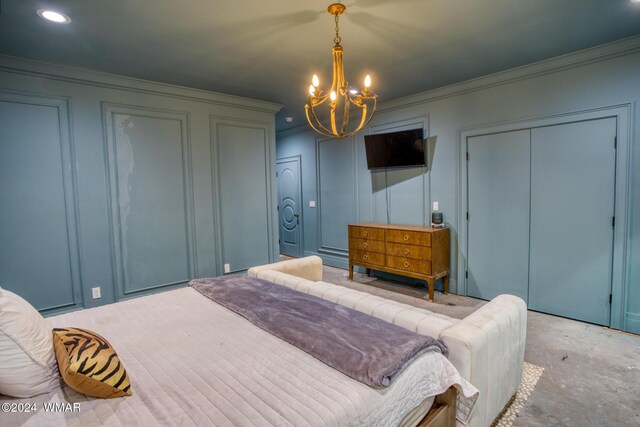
<point x="88" y="363"/>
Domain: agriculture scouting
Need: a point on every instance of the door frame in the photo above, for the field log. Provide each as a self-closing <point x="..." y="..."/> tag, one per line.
<point x="298" y="159"/>
<point x="622" y="197"/>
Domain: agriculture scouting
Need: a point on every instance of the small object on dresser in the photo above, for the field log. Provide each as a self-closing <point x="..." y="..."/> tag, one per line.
<point x="436" y="220"/>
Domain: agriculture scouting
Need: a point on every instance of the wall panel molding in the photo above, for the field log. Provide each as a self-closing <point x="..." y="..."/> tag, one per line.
<point x="392" y="126"/>
<point x="117" y="202"/>
<point x="268" y="151"/>
<point x="323" y="247"/>
<point x="62" y="106"/>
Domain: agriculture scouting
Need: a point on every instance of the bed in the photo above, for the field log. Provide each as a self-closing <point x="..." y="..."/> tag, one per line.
<point x="194" y="362"/>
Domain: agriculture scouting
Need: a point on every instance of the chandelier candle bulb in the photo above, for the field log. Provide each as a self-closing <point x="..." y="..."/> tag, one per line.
<point x="340" y="99"/>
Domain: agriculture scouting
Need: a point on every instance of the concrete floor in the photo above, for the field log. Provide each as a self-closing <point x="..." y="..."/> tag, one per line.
<point x="592" y="374"/>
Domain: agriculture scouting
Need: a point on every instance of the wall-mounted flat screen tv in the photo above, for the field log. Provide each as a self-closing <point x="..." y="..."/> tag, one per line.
<point x="395" y="149"/>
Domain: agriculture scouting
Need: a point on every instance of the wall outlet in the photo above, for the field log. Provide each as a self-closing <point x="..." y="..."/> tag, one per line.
<point x="227" y="268"/>
<point x="435" y="206"/>
<point x="312" y="203"/>
<point x="95" y="293"/>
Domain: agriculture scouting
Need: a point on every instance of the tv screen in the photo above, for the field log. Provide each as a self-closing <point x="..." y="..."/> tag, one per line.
<point x="395" y="149"/>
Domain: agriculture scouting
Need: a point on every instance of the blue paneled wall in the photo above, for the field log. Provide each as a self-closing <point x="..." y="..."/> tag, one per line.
<point x="126" y="185"/>
<point x="606" y="76"/>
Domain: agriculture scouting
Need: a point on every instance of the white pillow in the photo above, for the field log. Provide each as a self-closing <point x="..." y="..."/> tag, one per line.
<point x="27" y="360"/>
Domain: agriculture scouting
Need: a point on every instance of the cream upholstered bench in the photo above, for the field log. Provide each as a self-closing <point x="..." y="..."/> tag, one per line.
<point x="487" y="347"/>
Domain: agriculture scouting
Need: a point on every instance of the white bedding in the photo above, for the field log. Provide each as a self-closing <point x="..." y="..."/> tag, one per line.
<point x="193" y="362"/>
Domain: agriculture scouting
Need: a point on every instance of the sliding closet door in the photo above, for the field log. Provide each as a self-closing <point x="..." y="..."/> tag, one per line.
<point x="572" y="205"/>
<point x="498" y="233"/>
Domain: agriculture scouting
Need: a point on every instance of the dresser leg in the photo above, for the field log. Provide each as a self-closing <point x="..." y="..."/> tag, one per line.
<point x="368" y="272"/>
<point x="431" y="284"/>
<point x="445" y="281"/>
<point x="350" y="272"/>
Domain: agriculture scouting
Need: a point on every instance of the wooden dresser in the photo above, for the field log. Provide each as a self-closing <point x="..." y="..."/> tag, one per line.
<point x="407" y="250"/>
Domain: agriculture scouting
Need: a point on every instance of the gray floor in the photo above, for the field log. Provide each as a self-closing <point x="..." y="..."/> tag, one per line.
<point x="592" y="374"/>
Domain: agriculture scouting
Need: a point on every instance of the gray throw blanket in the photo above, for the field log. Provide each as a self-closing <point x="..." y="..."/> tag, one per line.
<point x="360" y="346"/>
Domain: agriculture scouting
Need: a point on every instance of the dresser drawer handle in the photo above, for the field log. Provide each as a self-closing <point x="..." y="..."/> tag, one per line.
<point x="364" y="245"/>
<point x="406" y="237"/>
<point x="406" y="264"/>
<point x="365" y="257"/>
<point x="406" y="251"/>
<point x="365" y="232"/>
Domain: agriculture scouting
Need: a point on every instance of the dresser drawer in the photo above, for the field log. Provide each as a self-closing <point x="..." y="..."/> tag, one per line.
<point x="366" y="233"/>
<point x="409" y="251"/>
<point x="409" y="264"/>
<point x="367" y="257"/>
<point x="366" y="245"/>
<point x="409" y="237"/>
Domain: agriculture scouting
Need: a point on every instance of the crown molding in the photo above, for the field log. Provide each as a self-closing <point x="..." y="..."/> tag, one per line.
<point x="22" y="66"/>
<point x="293" y="130"/>
<point x="579" y="58"/>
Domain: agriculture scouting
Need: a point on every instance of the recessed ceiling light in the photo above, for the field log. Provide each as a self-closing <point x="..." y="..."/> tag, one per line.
<point x="50" y="15"/>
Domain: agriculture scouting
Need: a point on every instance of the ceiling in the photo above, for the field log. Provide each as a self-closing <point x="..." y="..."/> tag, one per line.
<point x="269" y="50"/>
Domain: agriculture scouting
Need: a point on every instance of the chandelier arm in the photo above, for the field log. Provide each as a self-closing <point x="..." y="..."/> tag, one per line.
<point x="364" y="116"/>
<point x="333" y="121"/>
<point x="320" y="100"/>
<point x="318" y="127"/>
<point x="357" y="102"/>
<point x="345" y="116"/>
<point x="373" y="112"/>
<point x="323" y="130"/>
<point x="350" y="134"/>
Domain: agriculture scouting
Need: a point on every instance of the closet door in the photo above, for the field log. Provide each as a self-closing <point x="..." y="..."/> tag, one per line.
<point x="498" y="203"/>
<point x="572" y="206"/>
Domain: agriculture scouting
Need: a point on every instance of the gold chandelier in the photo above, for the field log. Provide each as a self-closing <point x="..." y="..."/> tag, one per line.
<point x="341" y="97"/>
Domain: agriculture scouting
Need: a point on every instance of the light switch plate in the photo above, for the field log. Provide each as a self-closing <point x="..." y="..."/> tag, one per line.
<point x="95" y="293"/>
<point x="435" y="206"/>
<point x="312" y="203"/>
<point x="227" y="268"/>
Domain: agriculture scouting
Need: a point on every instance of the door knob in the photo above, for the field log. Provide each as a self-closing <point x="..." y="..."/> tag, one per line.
<point x="296" y="214"/>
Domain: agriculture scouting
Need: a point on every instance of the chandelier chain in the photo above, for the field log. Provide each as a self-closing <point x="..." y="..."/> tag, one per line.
<point x="337" y="38"/>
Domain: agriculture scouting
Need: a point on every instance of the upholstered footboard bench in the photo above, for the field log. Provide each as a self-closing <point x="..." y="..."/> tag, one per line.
<point x="486" y="347"/>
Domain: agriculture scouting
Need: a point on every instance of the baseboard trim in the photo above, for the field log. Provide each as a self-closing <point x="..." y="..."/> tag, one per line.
<point x="331" y="260"/>
<point x="632" y="322"/>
